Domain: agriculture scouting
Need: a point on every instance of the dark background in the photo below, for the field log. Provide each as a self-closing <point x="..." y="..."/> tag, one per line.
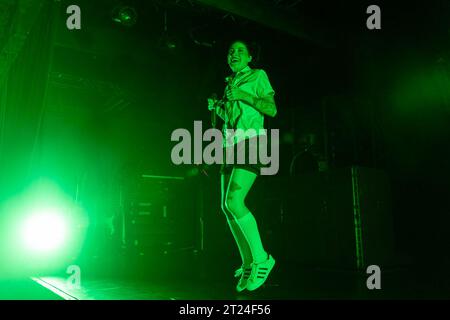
<point x="372" y="98"/>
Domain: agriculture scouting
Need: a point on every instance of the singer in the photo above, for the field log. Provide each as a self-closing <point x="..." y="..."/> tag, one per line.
<point x="247" y="99"/>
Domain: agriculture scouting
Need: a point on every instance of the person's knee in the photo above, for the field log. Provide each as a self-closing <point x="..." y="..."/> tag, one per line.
<point x="235" y="206"/>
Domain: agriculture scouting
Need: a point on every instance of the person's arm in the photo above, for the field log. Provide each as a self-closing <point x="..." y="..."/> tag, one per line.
<point x="265" y="105"/>
<point x="263" y="101"/>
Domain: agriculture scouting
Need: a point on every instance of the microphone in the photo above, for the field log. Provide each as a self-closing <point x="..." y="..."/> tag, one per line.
<point x="213" y="112"/>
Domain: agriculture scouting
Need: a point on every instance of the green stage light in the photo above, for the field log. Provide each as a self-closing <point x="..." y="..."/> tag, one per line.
<point x="44" y="231"/>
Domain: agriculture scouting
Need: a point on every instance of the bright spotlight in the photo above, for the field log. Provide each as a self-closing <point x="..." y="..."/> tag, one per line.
<point x="44" y="231"/>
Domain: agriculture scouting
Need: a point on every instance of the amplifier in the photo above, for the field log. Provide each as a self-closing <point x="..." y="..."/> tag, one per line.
<point x="159" y="213"/>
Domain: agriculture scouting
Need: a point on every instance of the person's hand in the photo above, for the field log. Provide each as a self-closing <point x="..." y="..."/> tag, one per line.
<point x="237" y="94"/>
<point x="211" y="103"/>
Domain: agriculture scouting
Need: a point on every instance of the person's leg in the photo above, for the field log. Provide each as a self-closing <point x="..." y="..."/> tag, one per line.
<point x="241" y="181"/>
<point x="239" y="237"/>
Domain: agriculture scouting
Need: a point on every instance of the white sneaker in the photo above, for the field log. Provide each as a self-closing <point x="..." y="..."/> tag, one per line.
<point x="244" y="273"/>
<point x="239" y="272"/>
<point x="260" y="273"/>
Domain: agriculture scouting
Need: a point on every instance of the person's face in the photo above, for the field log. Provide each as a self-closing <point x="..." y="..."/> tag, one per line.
<point x="238" y="56"/>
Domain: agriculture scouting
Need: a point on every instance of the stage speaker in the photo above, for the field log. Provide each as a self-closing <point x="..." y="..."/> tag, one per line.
<point x="339" y="219"/>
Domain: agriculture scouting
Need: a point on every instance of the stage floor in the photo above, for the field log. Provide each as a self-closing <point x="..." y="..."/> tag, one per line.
<point x="317" y="285"/>
<point x="25" y="289"/>
<point x="195" y="278"/>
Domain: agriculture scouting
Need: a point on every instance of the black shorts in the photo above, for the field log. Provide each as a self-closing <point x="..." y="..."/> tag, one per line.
<point x="248" y="147"/>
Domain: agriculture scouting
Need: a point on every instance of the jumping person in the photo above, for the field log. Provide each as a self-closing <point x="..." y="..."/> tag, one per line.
<point x="248" y="98"/>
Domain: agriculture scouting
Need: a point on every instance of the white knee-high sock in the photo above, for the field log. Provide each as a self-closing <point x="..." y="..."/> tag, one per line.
<point x="241" y="241"/>
<point x="249" y="228"/>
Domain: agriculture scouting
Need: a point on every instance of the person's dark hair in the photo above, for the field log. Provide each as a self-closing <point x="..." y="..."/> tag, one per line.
<point x="252" y="47"/>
